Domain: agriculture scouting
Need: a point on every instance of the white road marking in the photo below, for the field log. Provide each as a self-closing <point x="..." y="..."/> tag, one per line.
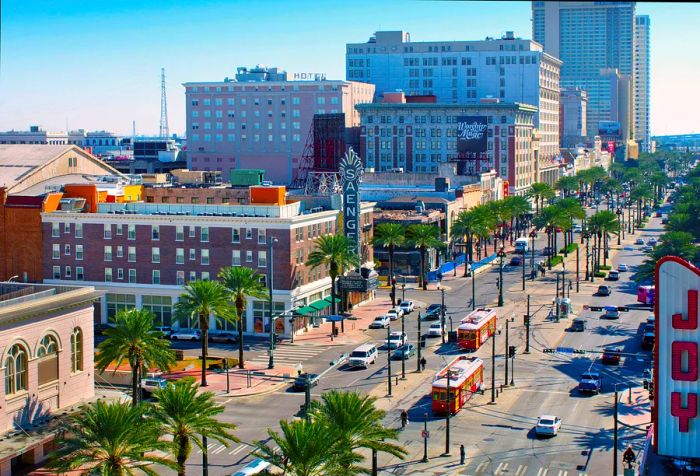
<point x="237" y="450"/>
<point x="219" y="450"/>
<point x="502" y="467"/>
<point x="563" y="472"/>
<point x="521" y="470"/>
<point x="209" y="447"/>
<point x="482" y="467"/>
<point x="542" y="472"/>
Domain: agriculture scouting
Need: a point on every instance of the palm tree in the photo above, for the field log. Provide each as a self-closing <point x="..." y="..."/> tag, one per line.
<point x="242" y="283"/>
<point x="550" y="219"/>
<point x="672" y="243"/>
<point x="200" y="300"/>
<point x="602" y="224"/>
<point x="110" y="439"/>
<point x="184" y="415"/>
<point x="502" y="214"/>
<point x="573" y="210"/>
<point x="307" y="448"/>
<point x="423" y="237"/>
<point x="337" y="254"/>
<point x="517" y="206"/>
<point x="471" y="223"/>
<point x="390" y="235"/>
<point x="566" y="185"/>
<point x="134" y="339"/>
<point x="357" y="421"/>
<point x="540" y="192"/>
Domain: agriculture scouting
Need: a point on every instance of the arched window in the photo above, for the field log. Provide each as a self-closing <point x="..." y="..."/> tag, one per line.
<point x="16" y="370"/>
<point x="76" y="350"/>
<point x="47" y="353"/>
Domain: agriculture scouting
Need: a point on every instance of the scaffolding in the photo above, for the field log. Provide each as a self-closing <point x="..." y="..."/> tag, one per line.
<point x="325" y="144"/>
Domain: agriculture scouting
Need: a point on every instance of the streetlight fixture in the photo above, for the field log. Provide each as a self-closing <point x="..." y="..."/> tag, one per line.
<point x="501" y="255"/>
<point x="270" y="242"/>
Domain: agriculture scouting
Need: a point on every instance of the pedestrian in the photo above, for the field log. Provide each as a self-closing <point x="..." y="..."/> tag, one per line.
<point x="462" y="454"/>
<point x="404" y="419"/>
<point x="423" y="362"/>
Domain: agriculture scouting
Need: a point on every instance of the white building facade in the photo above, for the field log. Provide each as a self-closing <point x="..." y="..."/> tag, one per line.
<point x="642" y="132"/>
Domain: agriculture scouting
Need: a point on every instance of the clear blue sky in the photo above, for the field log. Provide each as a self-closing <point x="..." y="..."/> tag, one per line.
<point x="96" y="64"/>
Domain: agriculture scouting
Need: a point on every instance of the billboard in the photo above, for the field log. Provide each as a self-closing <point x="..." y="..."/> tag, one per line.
<point x="676" y="382"/>
<point x="471" y="133"/>
<point x="609" y="129"/>
<point x="351" y="170"/>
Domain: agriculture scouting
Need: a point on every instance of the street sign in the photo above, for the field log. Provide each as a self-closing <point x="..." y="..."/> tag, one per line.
<point x="565" y="350"/>
<point x="425" y="434"/>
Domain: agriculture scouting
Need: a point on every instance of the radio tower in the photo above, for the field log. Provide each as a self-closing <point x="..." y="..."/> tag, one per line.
<point x="164" y="131"/>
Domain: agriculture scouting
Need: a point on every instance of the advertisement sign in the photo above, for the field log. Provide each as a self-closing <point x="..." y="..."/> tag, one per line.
<point x="676" y="382"/>
<point x="351" y="170"/>
<point x="308" y="76"/>
<point x="471" y="133"/>
<point x="506" y="189"/>
<point x="609" y="128"/>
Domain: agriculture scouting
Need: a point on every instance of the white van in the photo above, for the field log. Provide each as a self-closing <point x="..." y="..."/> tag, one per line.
<point x="521" y="246"/>
<point x="363" y="356"/>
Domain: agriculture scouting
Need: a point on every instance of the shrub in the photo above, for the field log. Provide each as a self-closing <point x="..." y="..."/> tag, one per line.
<point x="600" y="274"/>
<point x="605" y="267"/>
<point x="557" y="259"/>
<point x="570" y="248"/>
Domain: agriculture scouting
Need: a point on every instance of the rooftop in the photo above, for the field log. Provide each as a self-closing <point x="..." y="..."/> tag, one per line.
<point x="21" y="300"/>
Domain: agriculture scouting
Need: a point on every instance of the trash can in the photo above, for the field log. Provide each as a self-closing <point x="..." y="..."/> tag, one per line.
<point x="452" y="336"/>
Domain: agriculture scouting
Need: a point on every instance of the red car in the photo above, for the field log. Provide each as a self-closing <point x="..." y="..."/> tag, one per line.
<point x="612" y="356"/>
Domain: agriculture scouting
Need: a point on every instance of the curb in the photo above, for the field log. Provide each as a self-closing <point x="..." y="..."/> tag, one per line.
<point x="273" y="388"/>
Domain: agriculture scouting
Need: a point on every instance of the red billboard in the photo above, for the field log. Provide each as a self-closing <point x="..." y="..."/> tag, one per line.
<point x="676" y="382"/>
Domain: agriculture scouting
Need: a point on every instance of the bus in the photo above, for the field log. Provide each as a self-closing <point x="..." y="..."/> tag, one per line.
<point x="476" y="328"/>
<point x="645" y="295"/>
<point x="521" y="246"/>
<point x="466" y="375"/>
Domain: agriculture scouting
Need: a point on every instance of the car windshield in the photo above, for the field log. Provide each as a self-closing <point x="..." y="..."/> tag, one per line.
<point x="379" y="319"/>
<point x="358" y="353"/>
<point x="546" y="421"/>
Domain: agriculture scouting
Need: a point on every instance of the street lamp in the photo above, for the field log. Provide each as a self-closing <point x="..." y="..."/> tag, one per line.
<point x="619" y="226"/>
<point x="270" y="242"/>
<point x="508" y="321"/>
<point x="501" y="255"/>
<point x="533" y="235"/>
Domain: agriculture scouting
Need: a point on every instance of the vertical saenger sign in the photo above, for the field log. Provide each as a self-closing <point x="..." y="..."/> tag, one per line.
<point x="676" y="382"/>
<point x="351" y="170"/>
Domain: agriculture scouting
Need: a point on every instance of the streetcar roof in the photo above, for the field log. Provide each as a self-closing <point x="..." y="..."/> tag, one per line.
<point x="459" y="370"/>
<point x="477" y="319"/>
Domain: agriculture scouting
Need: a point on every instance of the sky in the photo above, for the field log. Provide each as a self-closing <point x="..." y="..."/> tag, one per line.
<point x="96" y="64"/>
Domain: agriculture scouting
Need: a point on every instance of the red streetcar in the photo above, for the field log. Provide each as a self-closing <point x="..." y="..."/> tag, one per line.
<point x="466" y="374"/>
<point x="476" y="328"/>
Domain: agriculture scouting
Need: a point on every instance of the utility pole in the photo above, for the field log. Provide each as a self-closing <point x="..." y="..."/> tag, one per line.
<point x="615" y="437"/>
<point x="425" y="438"/>
<point x="388" y="360"/>
<point x="524" y="270"/>
<point x="505" y="353"/>
<point x="471" y="266"/>
<point x="420" y="343"/>
<point x="270" y="242"/>
<point x="556" y="298"/>
<point x="493" y="367"/>
<point x="501" y="255"/>
<point x="527" y="327"/>
<point x="403" y="357"/>
<point x="447" y="416"/>
<point x="577" y="268"/>
<point x="442" y="315"/>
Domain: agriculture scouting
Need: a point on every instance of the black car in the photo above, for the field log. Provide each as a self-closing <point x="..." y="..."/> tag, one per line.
<point x="604" y="291"/>
<point x="516" y="261"/>
<point x="432" y="312"/>
<point x="300" y="382"/>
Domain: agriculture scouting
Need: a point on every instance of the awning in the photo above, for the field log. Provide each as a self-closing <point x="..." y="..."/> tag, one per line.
<point x="320" y="304"/>
<point x="305" y="311"/>
<point x="330" y="299"/>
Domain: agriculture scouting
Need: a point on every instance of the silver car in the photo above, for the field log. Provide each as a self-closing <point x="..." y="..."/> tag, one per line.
<point x="186" y="334"/>
<point x="228" y="337"/>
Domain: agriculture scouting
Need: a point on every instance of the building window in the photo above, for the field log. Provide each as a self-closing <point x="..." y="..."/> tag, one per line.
<point x="193" y="275"/>
<point x="235" y="235"/>
<point x="108" y="231"/>
<point x="68" y="272"/>
<point x="78" y="230"/>
<point x="131" y="232"/>
<point x="249" y="256"/>
<point x="131" y="255"/>
<point x="261" y="237"/>
<point x="155" y="276"/>
<point x="47" y="354"/>
<point x="204" y="256"/>
<point x="180" y="256"/>
<point x="66" y="228"/>
<point x="204" y="234"/>
<point x="79" y="273"/>
<point x="119" y="302"/>
<point x="192" y="232"/>
<point x="236" y="257"/>
<point x="205" y="275"/>
<point x="108" y="253"/>
<point x="180" y="278"/>
<point x="16" y="370"/>
<point x="262" y="259"/>
<point x="120" y="274"/>
<point x="249" y="234"/>
<point x="56" y="272"/>
<point x="55" y="230"/>
<point x="76" y="350"/>
<point x="155" y="232"/>
<point x="179" y="233"/>
<point x="56" y="251"/>
<point x="132" y="275"/>
<point x="155" y="255"/>
<point x="120" y="251"/>
<point x="193" y="254"/>
<point x="108" y="275"/>
<point x="161" y="307"/>
<point x="119" y="229"/>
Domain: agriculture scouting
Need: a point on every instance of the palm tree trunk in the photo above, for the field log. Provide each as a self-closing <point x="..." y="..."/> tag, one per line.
<point x="182" y="452"/>
<point x="423" y="280"/>
<point x="605" y="249"/>
<point x="555" y="252"/>
<point x="204" y="328"/>
<point x="391" y="276"/>
<point x="467" y="255"/>
<point x="239" y="311"/>
<point x="333" y="294"/>
<point x="549" y="244"/>
<point x="135" y="384"/>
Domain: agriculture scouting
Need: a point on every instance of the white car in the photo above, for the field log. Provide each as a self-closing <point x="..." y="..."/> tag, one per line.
<point x="150" y="385"/>
<point x="622" y="267"/>
<point x="380" y="322"/>
<point x="396" y="340"/>
<point x="435" y="329"/>
<point x="548" y="425"/>
<point x="406" y="306"/>
<point x="185" y="334"/>
<point x="395" y="312"/>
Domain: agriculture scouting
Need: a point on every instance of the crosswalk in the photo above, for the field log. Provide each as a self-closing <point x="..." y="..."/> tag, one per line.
<point x="289" y="354"/>
<point x="505" y="468"/>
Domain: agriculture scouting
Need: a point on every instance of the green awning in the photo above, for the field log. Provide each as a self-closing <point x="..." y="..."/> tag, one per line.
<point x="330" y="299"/>
<point x="305" y="311"/>
<point x="320" y="304"/>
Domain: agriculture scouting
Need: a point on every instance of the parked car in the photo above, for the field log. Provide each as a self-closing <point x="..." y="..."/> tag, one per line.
<point x="647" y="249"/>
<point x="435" y="329"/>
<point x="612" y="356"/>
<point x="299" y="384"/>
<point x="577" y="228"/>
<point x="150" y="385"/>
<point x="639" y="241"/>
<point x="228" y="337"/>
<point x="590" y="382"/>
<point x="611" y="312"/>
<point x="381" y="322"/>
<point x="395" y="340"/>
<point x="613" y="275"/>
<point x="547" y="425"/>
<point x="658" y="214"/>
<point x="604" y="290"/>
<point x="578" y="325"/>
<point x="186" y="334"/>
<point x="516" y="261"/>
<point x="406" y="306"/>
<point x="363" y="356"/>
<point x="404" y="352"/>
<point x="623" y="268"/>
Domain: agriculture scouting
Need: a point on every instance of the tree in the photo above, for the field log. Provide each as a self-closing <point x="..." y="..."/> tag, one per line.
<point x="550" y="219"/>
<point x="336" y="253"/>
<point x="602" y="224"/>
<point x="390" y="235"/>
<point x="471" y="223"/>
<point x="358" y="423"/>
<point x="424" y="238"/>
<point x="242" y="283"/>
<point x="566" y="185"/>
<point x="110" y="439"/>
<point x="517" y="207"/>
<point x="200" y="300"/>
<point x="134" y="339"/>
<point x="572" y="209"/>
<point x="186" y="415"/>
<point x="540" y="192"/>
<point x="672" y="243"/>
<point x="502" y="214"/>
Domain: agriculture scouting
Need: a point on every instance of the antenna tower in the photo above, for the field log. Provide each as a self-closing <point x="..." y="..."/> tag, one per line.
<point x="164" y="131"/>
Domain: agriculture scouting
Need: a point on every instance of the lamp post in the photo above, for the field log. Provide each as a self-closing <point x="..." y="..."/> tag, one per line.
<point x="493" y="368"/>
<point x="501" y="255"/>
<point x="533" y="235"/>
<point x="527" y="327"/>
<point x="471" y="271"/>
<point x="442" y="315"/>
<point x="270" y="242"/>
<point x="615" y="431"/>
<point x="403" y="289"/>
<point x="420" y="343"/>
<point x="403" y="357"/>
<point x="388" y="360"/>
<point x="505" y="355"/>
<point x="523" y="271"/>
<point x="577" y="267"/>
<point x="619" y="226"/>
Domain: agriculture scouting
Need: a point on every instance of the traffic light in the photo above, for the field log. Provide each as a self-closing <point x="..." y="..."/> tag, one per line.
<point x="526" y="320"/>
<point x="511" y="351"/>
<point x="548" y="351"/>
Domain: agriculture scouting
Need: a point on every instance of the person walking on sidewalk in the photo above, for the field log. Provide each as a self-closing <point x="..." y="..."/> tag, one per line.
<point x="404" y="419"/>
<point x="462" y="454"/>
<point x="423" y="362"/>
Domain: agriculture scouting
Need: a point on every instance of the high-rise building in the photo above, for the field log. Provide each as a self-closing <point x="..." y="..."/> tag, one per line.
<point x="261" y="120"/>
<point x="573" y="105"/>
<point x="642" y="132"/>
<point x="588" y="37"/>
<point x="511" y="69"/>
